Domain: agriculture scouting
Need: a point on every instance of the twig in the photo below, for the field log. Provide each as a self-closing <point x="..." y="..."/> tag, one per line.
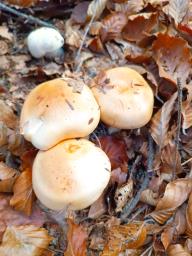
<point x="133" y="168"/>
<point x="177" y="138"/>
<point x="186" y="162"/>
<point x="82" y="43"/>
<point x="29" y="18"/>
<point x="132" y="203"/>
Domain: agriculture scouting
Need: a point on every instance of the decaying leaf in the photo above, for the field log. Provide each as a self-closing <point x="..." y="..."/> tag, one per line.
<point x="122" y="194"/>
<point x="79" y="12"/>
<point x="22" y="199"/>
<point x="7" y="178"/>
<point x="129" y="7"/>
<point x="189" y="217"/>
<point x="76" y="238"/>
<point x="24" y="240"/>
<point x="122" y="237"/>
<point x="9" y="216"/>
<point x="177" y="9"/>
<point x="7" y="116"/>
<point x="160" y="122"/>
<point x="73" y="36"/>
<point x="177" y="250"/>
<point x="115" y="148"/>
<point x="98" y="208"/>
<point x="118" y="176"/>
<point x="173" y="57"/>
<point x="96" y="7"/>
<point x="176" y="193"/>
<point x="187" y="114"/>
<point x="112" y="25"/>
<point x="5" y="34"/>
<point x="149" y="197"/>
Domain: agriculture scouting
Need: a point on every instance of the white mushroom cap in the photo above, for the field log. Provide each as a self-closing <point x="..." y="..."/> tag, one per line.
<point x="44" y="42"/>
<point x="125" y="98"/>
<point x="53" y="112"/>
<point x="72" y="174"/>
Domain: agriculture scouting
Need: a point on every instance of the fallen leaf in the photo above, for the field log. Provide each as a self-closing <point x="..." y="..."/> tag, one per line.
<point x="3" y="47"/>
<point x="118" y="176"/>
<point x="112" y="25"/>
<point x="188" y="245"/>
<point x="5" y="34"/>
<point x="177" y="250"/>
<point x="187" y="114"/>
<point x="23" y="197"/>
<point x="139" y="27"/>
<point x="122" y="194"/>
<point x="7" y="116"/>
<point x="97" y="208"/>
<point x="177" y="9"/>
<point x="73" y="36"/>
<point x="129" y="7"/>
<point x="176" y="193"/>
<point x="189" y="217"/>
<point x="122" y="237"/>
<point x="95" y="9"/>
<point x="160" y="122"/>
<point x="167" y="236"/>
<point x="9" y="216"/>
<point x="27" y="158"/>
<point x="4" y="131"/>
<point x="171" y="159"/>
<point x="149" y="197"/>
<point x="76" y="237"/>
<point x="23" y="3"/>
<point x="115" y="148"/>
<point x="24" y="240"/>
<point x="173" y="57"/>
<point x="7" y="178"/>
<point x="79" y="12"/>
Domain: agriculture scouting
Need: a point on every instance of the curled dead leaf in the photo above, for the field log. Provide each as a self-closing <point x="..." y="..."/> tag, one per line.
<point x="173" y="57"/>
<point x="160" y="122"/>
<point x="26" y="240"/>
<point x="122" y="237"/>
<point x="95" y="9"/>
<point x="112" y="25"/>
<point x="176" y="193"/>
<point x="7" y="178"/>
<point x="189" y="217"/>
<point x="149" y="197"/>
<point x="122" y="195"/>
<point x="177" y="250"/>
<point x="23" y="197"/>
<point x="76" y="238"/>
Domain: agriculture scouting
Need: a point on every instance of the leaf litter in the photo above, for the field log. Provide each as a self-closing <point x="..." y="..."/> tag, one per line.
<point x="152" y="37"/>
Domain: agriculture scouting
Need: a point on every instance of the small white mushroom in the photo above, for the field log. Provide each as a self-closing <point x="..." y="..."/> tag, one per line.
<point x="45" y="42"/>
<point x="73" y="174"/>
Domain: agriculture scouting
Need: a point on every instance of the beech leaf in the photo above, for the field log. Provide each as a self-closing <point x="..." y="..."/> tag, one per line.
<point x="95" y="8"/>
<point x="160" y="122"/>
<point x="22" y="199"/>
<point x="7" y="178"/>
<point x="24" y="240"/>
<point x="177" y="250"/>
<point x="176" y="193"/>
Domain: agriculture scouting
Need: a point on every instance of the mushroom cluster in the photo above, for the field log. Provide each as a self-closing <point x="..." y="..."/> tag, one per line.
<point x="69" y="170"/>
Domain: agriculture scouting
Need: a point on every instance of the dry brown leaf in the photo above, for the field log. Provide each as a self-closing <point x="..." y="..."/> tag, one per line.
<point x="171" y="159"/>
<point x="122" y="237"/>
<point x="9" y="217"/>
<point x="7" y="116"/>
<point x="122" y="195"/>
<point x="5" y="34"/>
<point x="129" y="7"/>
<point x="173" y="57"/>
<point x="176" y="194"/>
<point x="160" y="122"/>
<point x="118" y="176"/>
<point x="112" y="25"/>
<point x="23" y="3"/>
<point x="3" y="47"/>
<point x="24" y="240"/>
<point x="97" y="208"/>
<point x="187" y="114"/>
<point x="96" y="7"/>
<point x="7" y="178"/>
<point x="3" y="134"/>
<point x="73" y="36"/>
<point x="177" y="9"/>
<point x="116" y="150"/>
<point x="177" y="250"/>
<point x="139" y="27"/>
<point x="23" y="197"/>
<point x="76" y="237"/>
<point x="189" y="217"/>
<point x="167" y="236"/>
<point x="188" y="245"/>
<point x="79" y="12"/>
<point x="149" y="197"/>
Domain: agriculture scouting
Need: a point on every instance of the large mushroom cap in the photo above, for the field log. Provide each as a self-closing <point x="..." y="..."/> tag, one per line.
<point x="125" y="98"/>
<point x="72" y="174"/>
<point x="54" y="111"/>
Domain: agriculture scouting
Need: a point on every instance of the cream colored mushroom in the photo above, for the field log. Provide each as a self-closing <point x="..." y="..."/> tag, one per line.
<point x="54" y="111"/>
<point x="72" y="174"/>
<point x="125" y="98"/>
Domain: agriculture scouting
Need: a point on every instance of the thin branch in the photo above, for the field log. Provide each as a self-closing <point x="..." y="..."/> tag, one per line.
<point x="130" y="206"/>
<point x="82" y="43"/>
<point x="177" y="138"/>
<point x="187" y="161"/>
<point x="29" y="18"/>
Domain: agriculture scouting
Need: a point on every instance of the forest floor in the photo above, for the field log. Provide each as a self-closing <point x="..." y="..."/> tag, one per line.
<point x="147" y="207"/>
